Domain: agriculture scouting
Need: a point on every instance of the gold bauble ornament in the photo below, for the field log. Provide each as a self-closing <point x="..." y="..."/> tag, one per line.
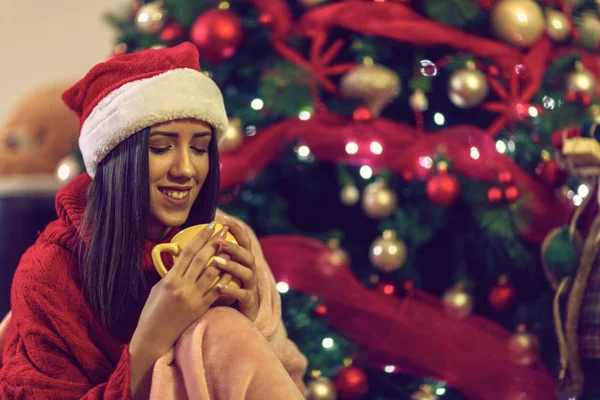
<point x="581" y="80"/>
<point x="233" y="137"/>
<point x="523" y="347"/>
<point x="518" y="22"/>
<point x="387" y="252"/>
<point x="425" y="392"/>
<point x="338" y="255"/>
<point x="321" y="389"/>
<point x="557" y="25"/>
<point x="311" y="3"/>
<point x="588" y="26"/>
<point x="349" y="195"/>
<point x="150" y="18"/>
<point x="467" y="87"/>
<point x="458" y="302"/>
<point x="418" y="101"/>
<point x="378" y="201"/>
<point x="374" y="84"/>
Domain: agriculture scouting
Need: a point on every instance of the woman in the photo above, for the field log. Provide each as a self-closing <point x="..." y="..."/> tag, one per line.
<point x="90" y="315"/>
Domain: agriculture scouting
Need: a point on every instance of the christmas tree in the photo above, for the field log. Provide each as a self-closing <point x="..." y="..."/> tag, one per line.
<point x="397" y="160"/>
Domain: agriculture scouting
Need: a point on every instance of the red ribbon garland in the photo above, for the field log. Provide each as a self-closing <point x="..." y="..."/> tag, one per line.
<point x="414" y="333"/>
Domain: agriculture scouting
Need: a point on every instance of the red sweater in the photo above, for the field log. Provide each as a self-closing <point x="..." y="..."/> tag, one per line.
<point x="56" y="347"/>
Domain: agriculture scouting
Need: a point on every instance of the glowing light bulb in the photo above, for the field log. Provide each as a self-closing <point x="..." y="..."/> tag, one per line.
<point x="327" y="343"/>
<point x="282" y="287"/>
<point x="475" y="153"/>
<point x="501" y="146"/>
<point x="366" y="172"/>
<point x="376" y="148"/>
<point x="439" y="119"/>
<point x="351" y="148"/>
<point x="257" y="104"/>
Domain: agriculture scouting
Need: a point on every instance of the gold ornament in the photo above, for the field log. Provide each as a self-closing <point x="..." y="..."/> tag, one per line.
<point x="378" y="201"/>
<point x="518" y="22"/>
<point x="321" y="389"/>
<point x="425" y="392"/>
<point x="150" y="18"/>
<point x="468" y="86"/>
<point x="588" y="27"/>
<point x="458" y="302"/>
<point x="349" y="195"/>
<point x="388" y="253"/>
<point x="338" y="255"/>
<point x="557" y="25"/>
<point x="418" y="101"/>
<point x="581" y="80"/>
<point x="594" y="111"/>
<point x="523" y="347"/>
<point x="233" y="137"/>
<point x="311" y="3"/>
<point x="374" y="84"/>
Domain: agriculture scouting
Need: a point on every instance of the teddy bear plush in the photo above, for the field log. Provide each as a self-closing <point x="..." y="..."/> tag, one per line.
<point x="39" y="132"/>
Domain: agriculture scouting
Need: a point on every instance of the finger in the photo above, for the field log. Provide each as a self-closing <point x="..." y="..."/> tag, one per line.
<point x="239" y="233"/>
<point x="198" y="263"/>
<point x="244" y="274"/>
<point x="206" y="279"/>
<point x="190" y="250"/>
<point x="242" y="295"/>
<point x="239" y="254"/>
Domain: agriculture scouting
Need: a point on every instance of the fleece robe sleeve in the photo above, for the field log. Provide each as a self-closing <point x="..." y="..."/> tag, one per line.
<point x="55" y="348"/>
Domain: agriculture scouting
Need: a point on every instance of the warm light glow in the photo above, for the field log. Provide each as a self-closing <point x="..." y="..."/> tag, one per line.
<point x="224" y="5"/>
<point x="583" y="191"/>
<point x="511" y="145"/>
<point x="501" y="146"/>
<point x="368" y="60"/>
<point x="426" y="162"/>
<point x="440" y="391"/>
<point x="351" y="148"/>
<point x="257" y="104"/>
<point x="303" y="151"/>
<point x="63" y="172"/>
<point x="376" y="148"/>
<point x="475" y="153"/>
<point x="389" y="369"/>
<point x="366" y="172"/>
<point x="577" y="200"/>
<point x="439" y="119"/>
<point x="522" y="17"/>
<point x="388" y="289"/>
<point x="304" y="115"/>
<point x="377" y="250"/>
<point x="327" y="343"/>
<point x="282" y="287"/>
<point x="533" y="111"/>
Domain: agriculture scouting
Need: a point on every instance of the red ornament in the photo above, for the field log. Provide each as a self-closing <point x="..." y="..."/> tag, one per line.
<point x="321" y="310"/>
<point x="218" y="34"/>
<point x="551" y="174"/>
<point x="172" y="33"/>
<point x="505" y="177"/>
<point x="362" y="113"/>
<point x="265" y="19"/>
<point x="443" y="189"/>
<point x="570" y="97"/>
<point x="351" y="383"/>
<point x="585" y="99"/>
<point x="494" y="71"/>
<point x="511" y="193"/>
<point x="503" y="295"/>
<point x="385" y="288"/>
<point x="494" y="194"/>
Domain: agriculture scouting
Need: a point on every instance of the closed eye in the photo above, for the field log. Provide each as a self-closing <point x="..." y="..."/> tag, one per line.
<point x="159" y="150"/>
<point x="198" y="150"/>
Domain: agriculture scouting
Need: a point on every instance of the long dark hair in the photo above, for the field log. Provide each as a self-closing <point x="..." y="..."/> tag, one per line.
<point x="116" y="217"/>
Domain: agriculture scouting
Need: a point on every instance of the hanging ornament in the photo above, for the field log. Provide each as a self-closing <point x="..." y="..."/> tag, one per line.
<point x="349" y="195"/>
<point x="150" y="18"/>
<point x="387" y="252"/>
<point x="425" y="392"/>
<point x="557" y="25"/>
<point x="351" y="383"/>
<point x="588" y="26"/>
<point x="338" y="255"/>
<point x="523" y="347"/>
<point x="173" y="33"/>
<point x="494" y="194"/>
<point x="505" y="178"/>
<point x="581" y="80"/>
<point x="217" y="34"/>
<point x="373" y="84"/>
<point x="511" y="193"/>
<point x="552" y="174"/>
<point x="378" y="201"/>
<point x="320" y="389"/>
<point x="518" y="22"/>
<point x="502" y="295"/>
<point x="418" y="101"/>
<point x="311" y="3"/>
<point x="458" y="302"/>
<point x="233" y="137"/>
<point x="467" y="87"/>
<point x="443" y="188"/>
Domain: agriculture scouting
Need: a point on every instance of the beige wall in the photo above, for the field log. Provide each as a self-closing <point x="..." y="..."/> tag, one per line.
<point x="45" y="40"/>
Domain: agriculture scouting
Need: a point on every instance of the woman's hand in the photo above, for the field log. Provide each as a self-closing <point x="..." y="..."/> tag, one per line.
<point x="174" y="303"/>
<point x="242" y="266"/>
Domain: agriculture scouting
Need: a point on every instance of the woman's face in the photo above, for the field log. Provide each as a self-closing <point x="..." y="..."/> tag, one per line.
<point x="178" y="161"/>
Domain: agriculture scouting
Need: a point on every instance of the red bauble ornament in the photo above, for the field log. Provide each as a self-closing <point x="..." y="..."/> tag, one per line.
<point x="505" y="177"/>
<point x="351" y="383"/>
<point x="362" y="113"/>
<point x="511" y="193"/>
<point x="218" y="34"/>
<point x="503" y="295"/>
<point x="172" y="33"/>
<point x="321" y="310"/>
<point x="551" y="174"/>
<point x="494" y="194"/>
<point x="443" y="189"/>
<point x="570" y="97"/>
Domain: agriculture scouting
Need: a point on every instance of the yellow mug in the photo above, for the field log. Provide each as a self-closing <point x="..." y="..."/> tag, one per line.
<point x="177" y="244"/>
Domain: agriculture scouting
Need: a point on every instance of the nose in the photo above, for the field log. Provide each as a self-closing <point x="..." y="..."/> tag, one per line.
<point x="182" y="167"/>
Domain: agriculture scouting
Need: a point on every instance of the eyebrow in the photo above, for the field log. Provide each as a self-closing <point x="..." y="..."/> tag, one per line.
<point x="175" y="134"/>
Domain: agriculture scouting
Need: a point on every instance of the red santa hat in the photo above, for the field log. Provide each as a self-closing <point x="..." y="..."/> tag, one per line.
<point x="129" y="92"/>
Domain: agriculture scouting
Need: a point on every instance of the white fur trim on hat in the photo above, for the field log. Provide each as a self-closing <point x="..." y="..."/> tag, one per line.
<point x="175" y="94"/>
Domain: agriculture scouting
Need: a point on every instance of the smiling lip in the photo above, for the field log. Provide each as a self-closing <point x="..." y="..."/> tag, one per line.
<point x="176" y="195"/>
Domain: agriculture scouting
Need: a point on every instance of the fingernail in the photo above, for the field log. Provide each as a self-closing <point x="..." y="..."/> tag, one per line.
<point x="220" y="261"/>
<point x="223" y="233"/>
<point x="221" y="287"/>
<point x="212" y="225"/>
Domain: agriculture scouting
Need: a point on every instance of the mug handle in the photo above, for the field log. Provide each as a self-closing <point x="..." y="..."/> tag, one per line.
<point x="172" y="248"/>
